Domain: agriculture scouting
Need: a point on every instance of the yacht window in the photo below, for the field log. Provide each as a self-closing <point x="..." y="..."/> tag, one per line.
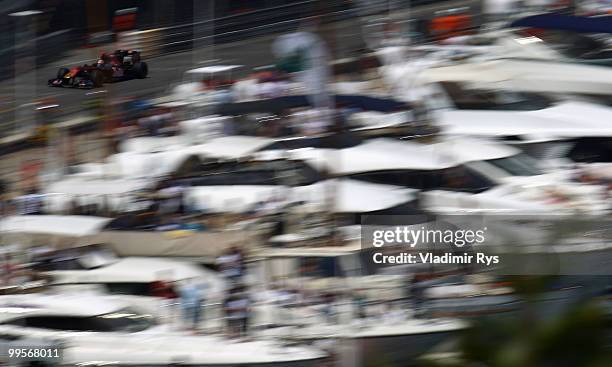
<point x="297" y="173"/>
<point x="517" y="165"/>
<point x="290" y="144"/>
<point x="463" y="179"/>
<point x="134" y="289"/>
<point x="575" y="45"/>
<point x="124" y="320"/>
<point x="590" y="150"/>
<point x="422" y="180"/>
<point x="62" y="263"/>
<point x="455" y="179"/>
<point x="276" y="172"/>
<point x="231" y="178"/>
<point x="81" y="258"/>
<point x="97" y="256"/>
<point x="319" y="267"/>
<point x="466" y="98"/>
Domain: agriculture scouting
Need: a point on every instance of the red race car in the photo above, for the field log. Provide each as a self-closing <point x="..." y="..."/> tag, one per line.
<point x="111" y="67"/>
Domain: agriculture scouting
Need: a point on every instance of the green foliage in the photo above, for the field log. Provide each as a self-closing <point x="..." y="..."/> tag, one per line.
<point x="577" y="337"/>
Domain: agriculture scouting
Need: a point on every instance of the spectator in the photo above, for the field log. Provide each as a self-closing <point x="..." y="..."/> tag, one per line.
<point x="231" y="264"/>
<point x="170" y="198"/>
<point x="31" y="203"/>
<point x="237" y="311"/>
<point x="417" y="291"/>
<point x="360" y="304"/>
<point x="191" y="298"/>
<point x="162" y="288"/>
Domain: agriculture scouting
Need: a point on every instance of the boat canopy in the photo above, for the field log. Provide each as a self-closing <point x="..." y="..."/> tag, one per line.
<point x="345" y="139"/>
<point x="566" y="120"/>
<point x="152" y="165"/>
<point x="66" y="225"/>
<point x="231" y="198"/>
<point x="566" y="23"/>
<point x="526" y="75"/>
<point x="148" y="144"/>
<point x="83" y="186"/>
<point x="384" y="154"/>
<point x="214" y="69"/>
<point x="59" y="231"/>
<point x="349" y="197"/>
<point x="114" y="194"/>
<point x="230" y="147"/>
<point x="378" y="155"/>
<point x="469" y="149"/>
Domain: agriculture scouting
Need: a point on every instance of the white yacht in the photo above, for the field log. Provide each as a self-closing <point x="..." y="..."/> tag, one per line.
<point x="396" y="341"/>
<point x="193" y="88"/>
<point x="491" y="176"/>
<point x="452" y="174"/>
<point x="461" y="175"/>
<point x="519" y="41"/>
<point x="362" y="332"/>
<point x="94" y="331"/>
<point x="559" y="133"/>
<point x="65" y="249"/>
<point x="542" y="74"/>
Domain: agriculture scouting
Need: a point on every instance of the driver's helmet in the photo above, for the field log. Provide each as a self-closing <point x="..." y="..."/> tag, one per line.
<point x="104" y="58"/>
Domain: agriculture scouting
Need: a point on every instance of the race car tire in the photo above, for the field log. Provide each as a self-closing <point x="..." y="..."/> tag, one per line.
<point x="61" y="72"/>
<point x="140" y="70"/>
<point x="97" y="78"/>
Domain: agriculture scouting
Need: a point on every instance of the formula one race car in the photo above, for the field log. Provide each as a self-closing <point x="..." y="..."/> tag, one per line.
<point x="119" y="65"/>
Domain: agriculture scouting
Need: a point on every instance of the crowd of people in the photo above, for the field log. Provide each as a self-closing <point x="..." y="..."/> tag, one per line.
<point x="196" y="305"/>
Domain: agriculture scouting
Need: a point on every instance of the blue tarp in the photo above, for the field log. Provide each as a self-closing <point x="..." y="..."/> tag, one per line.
<point x="566" y="23"/>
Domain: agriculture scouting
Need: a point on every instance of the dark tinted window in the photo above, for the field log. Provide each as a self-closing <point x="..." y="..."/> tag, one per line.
<point x="576" y="45"/>
<point x="517" y="165"/>
<point x="64" y="323"/>
<point x="296" y="173"/>
<point x="422" y="180"/>
<point x="332" y="141"/>
<point x="465" y="180"/>
<point x="320" y="267"/>
<point x="276" y="172"/>
<point x="481" y="99"/>
<point x="81" y="258"/>
<point x="50" y="264"/>
<point x="124" y="320"/>
<point x="135" y="289"/>
<point x="455" y="179"/>
<point x="589" y="150"/>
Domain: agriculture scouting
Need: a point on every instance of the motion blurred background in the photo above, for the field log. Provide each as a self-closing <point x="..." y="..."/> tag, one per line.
<point x="264" y="135"/>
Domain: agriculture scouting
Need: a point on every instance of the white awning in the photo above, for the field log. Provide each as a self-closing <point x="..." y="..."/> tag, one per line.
<point x="534" y="76"/>
<point x="231" y="198"/>
<point x="214" y="69"/>
<point x="231" y="147"/>
<point x="565" y="120"/>
<point x="84" y="186"/>
<point x="64" y="225"/>
<point x="349" y="196"/>
<point x="56" y="231"/>
<point x="378" y="155"/>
